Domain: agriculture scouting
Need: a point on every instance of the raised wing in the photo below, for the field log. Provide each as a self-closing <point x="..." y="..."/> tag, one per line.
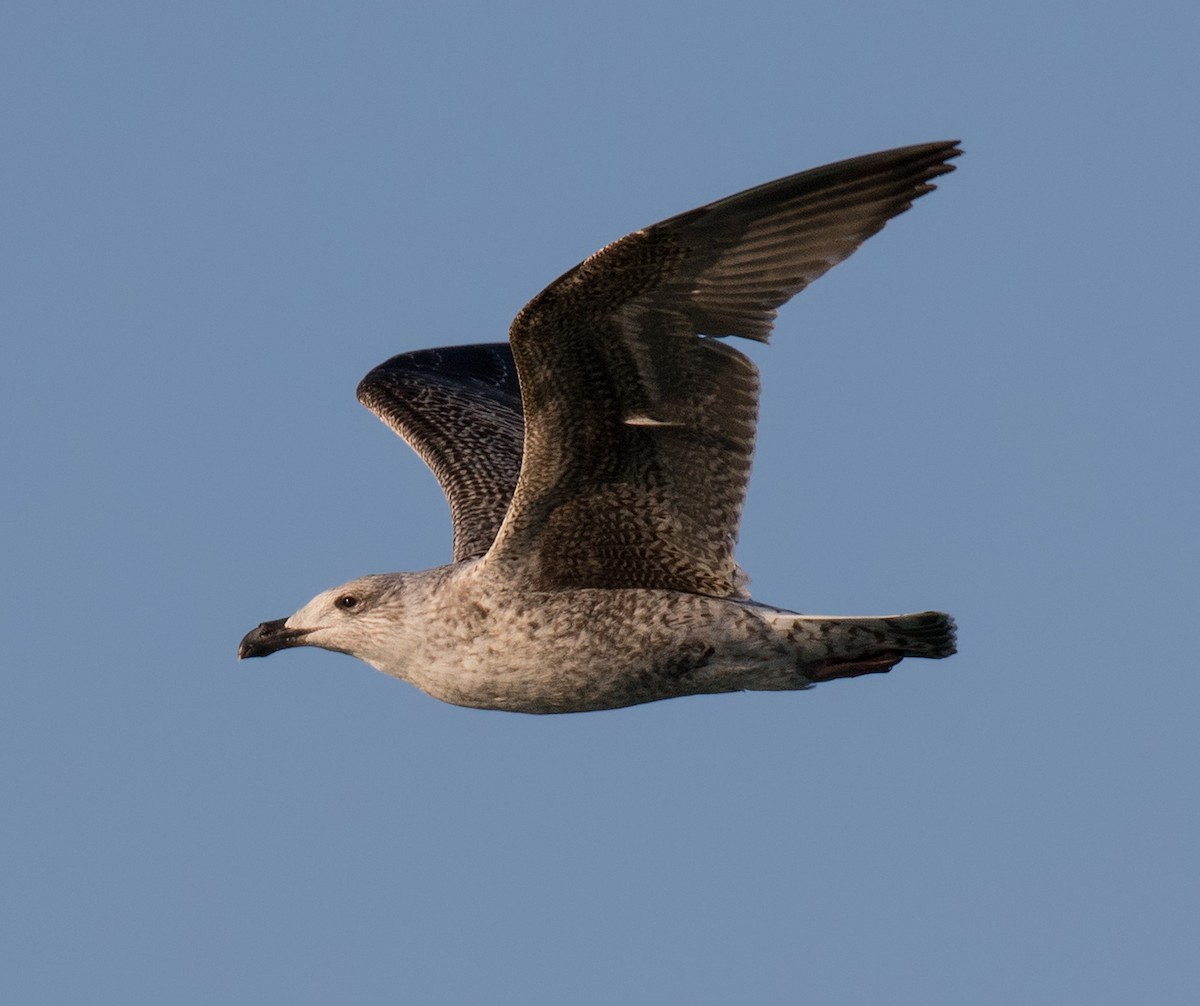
<point x="639" y="426"/>
<point x="460" y="409"/>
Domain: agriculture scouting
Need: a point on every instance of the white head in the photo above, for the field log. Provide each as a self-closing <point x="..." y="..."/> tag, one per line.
<point x="363" y="618"/>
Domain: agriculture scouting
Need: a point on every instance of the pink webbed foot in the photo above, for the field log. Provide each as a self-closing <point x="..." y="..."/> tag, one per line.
<point x="830" y="669"/>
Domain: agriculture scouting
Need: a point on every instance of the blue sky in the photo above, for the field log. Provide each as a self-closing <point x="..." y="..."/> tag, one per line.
<point x="218" y="217"/>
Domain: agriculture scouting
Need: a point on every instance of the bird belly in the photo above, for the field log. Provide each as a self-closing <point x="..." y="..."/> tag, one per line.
<point x="584" y="650"/>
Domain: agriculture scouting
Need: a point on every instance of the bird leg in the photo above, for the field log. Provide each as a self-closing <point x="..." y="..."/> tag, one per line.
<point x="828" y="670"/>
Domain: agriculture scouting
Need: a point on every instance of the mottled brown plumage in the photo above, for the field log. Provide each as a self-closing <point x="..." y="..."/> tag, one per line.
<point x="599" y="466"/>
<point x="460" y="409"/>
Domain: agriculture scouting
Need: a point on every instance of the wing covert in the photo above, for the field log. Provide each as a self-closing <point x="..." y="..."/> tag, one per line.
<point x="459" y="408"/>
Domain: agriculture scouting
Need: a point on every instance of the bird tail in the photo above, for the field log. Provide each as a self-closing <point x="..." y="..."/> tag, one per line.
<point x="929" y="634"/>
<point x="855" y="646"/>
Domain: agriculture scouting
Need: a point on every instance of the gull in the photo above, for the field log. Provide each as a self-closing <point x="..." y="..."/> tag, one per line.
<point x="596" y="464"/>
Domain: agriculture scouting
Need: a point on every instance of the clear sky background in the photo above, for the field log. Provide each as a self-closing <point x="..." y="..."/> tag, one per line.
<point x="217" y="217"/>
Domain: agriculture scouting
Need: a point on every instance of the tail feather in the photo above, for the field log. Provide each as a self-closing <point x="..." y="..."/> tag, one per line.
<point x="931" y="634"/>
<point x="856" y="646"/>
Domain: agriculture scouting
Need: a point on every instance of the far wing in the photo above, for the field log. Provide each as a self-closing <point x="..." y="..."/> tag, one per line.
<point x="459" y="408"/>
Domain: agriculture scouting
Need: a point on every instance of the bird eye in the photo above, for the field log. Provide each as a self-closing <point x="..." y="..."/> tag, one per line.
<point x="347" y="602"/>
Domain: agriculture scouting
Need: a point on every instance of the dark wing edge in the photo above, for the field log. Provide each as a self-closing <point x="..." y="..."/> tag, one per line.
<point x="640" y="428"/>
<point x="459" y="408"/>
<point x="750" y="253"/>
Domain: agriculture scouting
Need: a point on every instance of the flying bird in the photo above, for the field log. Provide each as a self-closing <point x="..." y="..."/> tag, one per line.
<point x="596" y="464"/>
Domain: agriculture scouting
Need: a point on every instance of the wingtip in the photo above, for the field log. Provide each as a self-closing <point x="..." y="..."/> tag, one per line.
<point x="950" y="150"/>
